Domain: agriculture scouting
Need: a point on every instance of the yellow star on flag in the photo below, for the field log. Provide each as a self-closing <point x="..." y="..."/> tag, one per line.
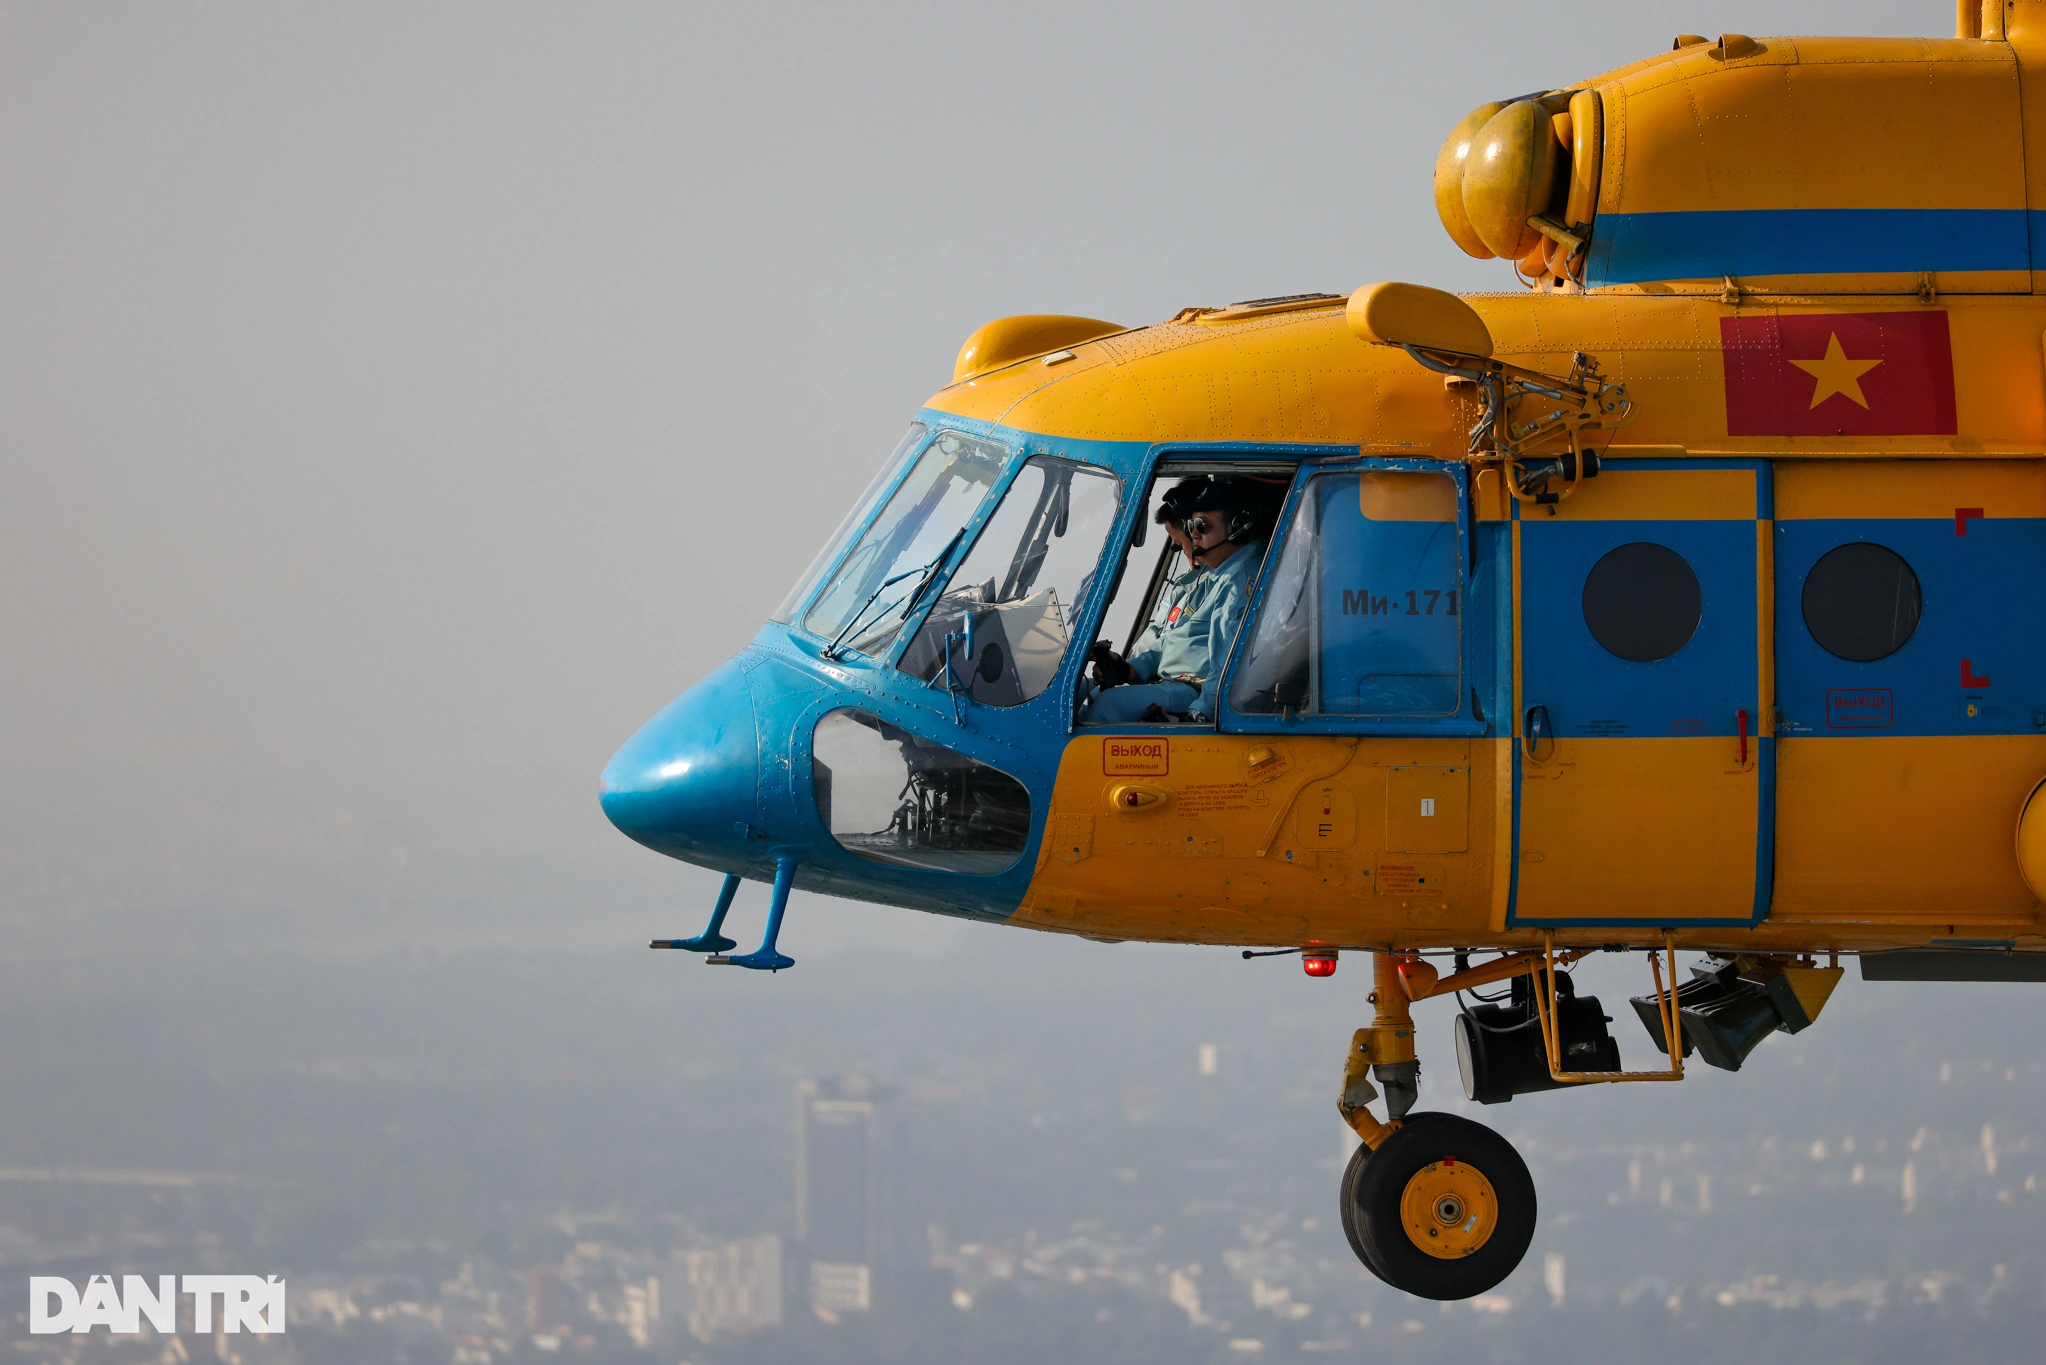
<point x="1836" y="373"/>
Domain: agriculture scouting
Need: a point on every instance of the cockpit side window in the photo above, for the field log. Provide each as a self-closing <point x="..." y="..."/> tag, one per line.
<point x="901" y="554"/>
<point x="1002" y="628"/>
<point x="1364" y="614"/>
<point x="1171" y="621"/>
<point x="854" y="519"/>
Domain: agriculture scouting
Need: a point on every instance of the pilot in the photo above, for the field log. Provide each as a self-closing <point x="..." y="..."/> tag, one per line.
<point x="1172" y="516"/>
<point x="1175" y="665"/>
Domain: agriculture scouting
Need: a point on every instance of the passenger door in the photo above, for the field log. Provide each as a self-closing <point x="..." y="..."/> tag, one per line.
<point x="1644" y="762"/>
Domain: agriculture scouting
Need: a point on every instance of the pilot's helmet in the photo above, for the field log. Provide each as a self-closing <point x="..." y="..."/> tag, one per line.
<point x="1219" y="498"/>
<point x="1172" y="507"/>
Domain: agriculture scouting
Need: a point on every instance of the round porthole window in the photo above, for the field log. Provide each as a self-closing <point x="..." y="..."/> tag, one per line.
<point x="1861" y="602"/>
<point x="1642" y="602"/>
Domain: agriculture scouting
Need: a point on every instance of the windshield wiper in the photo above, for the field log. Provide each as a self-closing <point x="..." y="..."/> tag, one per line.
<point x="929" y="572"/>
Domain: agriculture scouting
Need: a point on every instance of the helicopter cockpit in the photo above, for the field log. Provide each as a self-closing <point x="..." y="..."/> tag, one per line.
<point x="996" y="634"/>
<point x="896" y="730"/>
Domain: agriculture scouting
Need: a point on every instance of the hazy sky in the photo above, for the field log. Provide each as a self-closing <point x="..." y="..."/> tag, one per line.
<point x="399" y="403"/>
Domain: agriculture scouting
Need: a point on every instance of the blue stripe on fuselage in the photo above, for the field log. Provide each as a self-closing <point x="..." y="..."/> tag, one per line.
<point x="1629" y="248"/>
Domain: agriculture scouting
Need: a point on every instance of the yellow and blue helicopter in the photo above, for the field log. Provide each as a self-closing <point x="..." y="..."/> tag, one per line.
<point x="1672" y="602"/>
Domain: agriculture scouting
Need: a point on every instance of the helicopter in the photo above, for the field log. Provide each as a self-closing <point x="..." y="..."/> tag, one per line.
<point x="1661" y="604"/>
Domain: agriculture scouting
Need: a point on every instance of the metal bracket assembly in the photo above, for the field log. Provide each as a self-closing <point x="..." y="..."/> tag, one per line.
<point x="1666" y="1006"/>
<point x="1526" y="409"/>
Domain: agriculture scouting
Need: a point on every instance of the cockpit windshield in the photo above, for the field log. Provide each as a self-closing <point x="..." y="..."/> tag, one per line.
<point x="1002" y="627"/>
<point x="854" y="519"/>
<point x="902" y="553"/>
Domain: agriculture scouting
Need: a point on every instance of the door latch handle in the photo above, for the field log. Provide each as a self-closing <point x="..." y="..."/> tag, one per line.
<point x="1740" y="720"/>
<point x="1537" y="730"/>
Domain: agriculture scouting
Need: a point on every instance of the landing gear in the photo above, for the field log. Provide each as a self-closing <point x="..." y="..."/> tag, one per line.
<point x="1431" y="1203"/>
<point x="1352" y="1173"/>
<point x="767" y="957"/>
<point x="1442" y="1208"/>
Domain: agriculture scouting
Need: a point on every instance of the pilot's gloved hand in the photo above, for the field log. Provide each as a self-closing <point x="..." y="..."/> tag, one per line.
<point x="1110" y="668"/>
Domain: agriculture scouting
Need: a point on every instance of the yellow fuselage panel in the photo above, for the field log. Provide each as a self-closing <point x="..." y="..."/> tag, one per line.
<point x="1912" y="831"/>
<point x="1826" y="122"/>
<point x="1273" y="840"/>
<point x="1878" y="842"/>
<point x="1618" y="829"/>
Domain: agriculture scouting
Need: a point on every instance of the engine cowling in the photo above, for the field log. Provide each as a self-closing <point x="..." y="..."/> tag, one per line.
<point x="1784" y="166"/>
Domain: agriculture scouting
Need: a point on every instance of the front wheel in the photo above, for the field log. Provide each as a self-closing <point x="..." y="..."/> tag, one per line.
<point x="1346" y="1201"/>
<point x="1443" y="1208"/>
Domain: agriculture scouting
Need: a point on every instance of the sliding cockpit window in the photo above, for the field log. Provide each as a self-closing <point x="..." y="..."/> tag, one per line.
<point x="903" y="551"/>
<point x="1364" y="615"/>
<point x="1003" y="626"/>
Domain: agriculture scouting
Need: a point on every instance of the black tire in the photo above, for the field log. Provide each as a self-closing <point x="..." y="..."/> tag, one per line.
<point x="1382" y="1238"/>
<point x="1346" y="1201"/>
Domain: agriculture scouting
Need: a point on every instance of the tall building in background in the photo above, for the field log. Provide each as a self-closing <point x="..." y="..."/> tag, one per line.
<point x="732" y="1289"/>
<point x="546" y="1302"/>
<point x="848" y="1192"/>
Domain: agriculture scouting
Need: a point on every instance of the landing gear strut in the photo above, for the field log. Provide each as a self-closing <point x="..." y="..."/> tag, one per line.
<point x="1433" y="1204"/>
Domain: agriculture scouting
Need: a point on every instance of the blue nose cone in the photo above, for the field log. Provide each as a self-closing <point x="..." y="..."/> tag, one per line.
<point x="685" y="784"/>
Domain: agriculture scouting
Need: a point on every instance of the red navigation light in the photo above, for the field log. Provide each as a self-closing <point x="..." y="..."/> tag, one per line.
<point x="1319" y="964"/>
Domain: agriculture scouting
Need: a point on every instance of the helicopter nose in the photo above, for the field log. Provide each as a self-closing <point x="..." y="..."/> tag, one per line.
<point x="685" y="784"/>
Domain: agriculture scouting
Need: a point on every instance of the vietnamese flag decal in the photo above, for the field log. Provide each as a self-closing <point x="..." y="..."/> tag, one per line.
<point x="1839" y="374"/>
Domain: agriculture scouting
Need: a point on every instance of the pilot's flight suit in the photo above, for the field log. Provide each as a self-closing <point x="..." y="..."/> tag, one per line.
<point x="1180" y="657"/>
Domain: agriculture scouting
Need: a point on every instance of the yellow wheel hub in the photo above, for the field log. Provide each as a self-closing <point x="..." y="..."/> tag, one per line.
<point x="1449" y="1209"/>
